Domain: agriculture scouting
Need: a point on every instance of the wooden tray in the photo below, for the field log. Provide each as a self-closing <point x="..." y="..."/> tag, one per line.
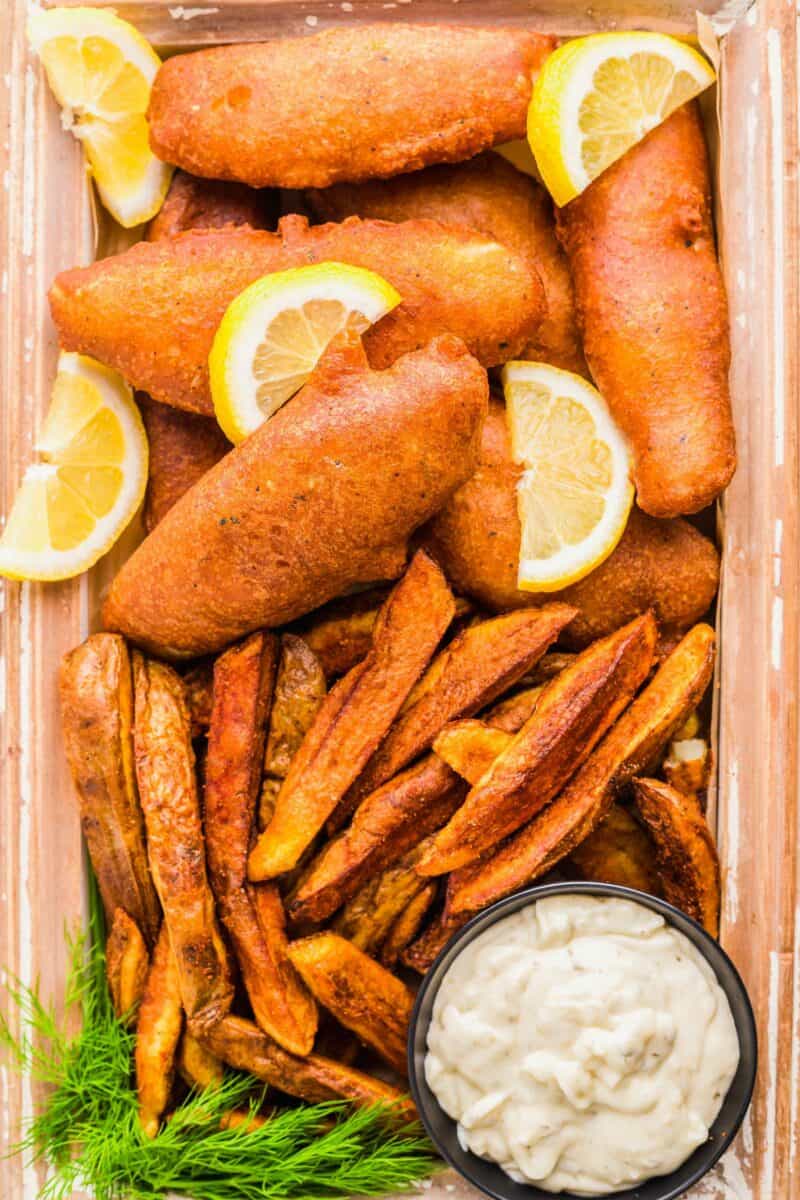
<point x="46" y="220"/>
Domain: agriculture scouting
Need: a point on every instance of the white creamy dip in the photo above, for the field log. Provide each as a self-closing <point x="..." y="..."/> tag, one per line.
<point x="583" y="1044"/>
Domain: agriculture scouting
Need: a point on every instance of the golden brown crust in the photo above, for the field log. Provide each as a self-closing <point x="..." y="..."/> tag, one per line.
<point x="194" y="203"/>
<point x="299" y="692"/>
<point x="619" y="851"/>
<point x="127" y="963"/>
<point x="367" y="919"/>
<point x="347" y="103"/>
<point x="360" y="993"/>
<point x="96" y="718"/>
<point x="419" y="956"/>
<point x="183" y="447"/>
<point x="407" y="925"/>
<point x="157" y="1033"/>
<point x="652" y="308"/>
<point x="197" y="1066"/>
<point x="471" y="747"/>
<point x="354" y="462"/>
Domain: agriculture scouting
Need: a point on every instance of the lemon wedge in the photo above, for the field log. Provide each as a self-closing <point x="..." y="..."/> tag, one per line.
<point x="597" y="96"/>
<point x="100" y="70"/>
<point x="519" y="154"/>
<point x="72" y="506"/>
<point x="274" y="332"/>
<point x="575" y="493"/>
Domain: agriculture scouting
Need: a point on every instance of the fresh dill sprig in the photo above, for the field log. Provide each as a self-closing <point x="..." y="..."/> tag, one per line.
<point x="88" y="1128"/>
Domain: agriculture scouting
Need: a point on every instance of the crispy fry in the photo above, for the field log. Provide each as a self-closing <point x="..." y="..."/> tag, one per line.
<point x="572" y="714"/>
<point x="336" y="1042"/>
<point x="511" y="713"/>
<point x="183" y="447"/>
<point x="470" y="748"/>
<point x="127" y="963"/>
<point x="356" y="715"/>
<point x="347" y="103"/>
<point x="619" y="851"/>
<point x="366" y="919"/>
<point x="197" y="1066"/>
<point x="96" y="717"/>
<point x="550" y="665"/>
<point x="687" y="766"/>
<point x="242" y="1045"/>
<point x="420" y="954"/>
<point x="237" y="1117"/>
<point x="165" y="771"/>
<point x="194" y="203"/>
<point x="198" y="688"/>
<point x="685" y="852"/>
<point x="360" y="993"/>
<point x="299" y="692"/>
<point x="407" y="925"/>
<point x="157" y="1033"/>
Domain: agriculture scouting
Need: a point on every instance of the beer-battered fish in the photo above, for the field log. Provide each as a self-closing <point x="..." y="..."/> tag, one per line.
<point x="488" y="194"/>
<point x="652" y="308"/>
<point x="321" y="497"/>
<point x="183" y="446"/>
<point x="152" y="312"/>
<point x="666" y="566"/>
<point x="194" y="203"/>
<point x="345" y="104"/>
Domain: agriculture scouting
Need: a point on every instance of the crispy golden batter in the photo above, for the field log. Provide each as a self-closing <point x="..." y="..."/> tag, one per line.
<point x="619" y="851"/>
<point x="183" y="446"/>
<point x="322" y="497"/>
<point x="652" y="308"/>
<point x="157" y="1033"/>
<point x="574" y="711"/>
<point x="350" y="103"/>
<point x="194" y="203"/>
<point x="367" y="919"/>
<point x="666" y="566"/>
<point x="197" y="1066"/>
<point x="408" y="924"/>
<point x="96" y="718"/>
<point x="488" y="194"/>
<point x="299" y="692"/>
<point x="152" y="312"/>
<point x="360" y="993"/>
<point x="165" y="771"/>
<point x="355" y="716"/>
<point x="127" y="963"/>
<point x="685" y="852"/>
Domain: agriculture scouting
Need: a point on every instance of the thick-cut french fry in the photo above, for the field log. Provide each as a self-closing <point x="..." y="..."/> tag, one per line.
<point x="685" y="852"/>
<point x="96" y="716"/>
<point x="407" y="925"/>
<point x="242" y="1045"/>
<point x="197" y="1066"/>
<point x="355" y="716"/>
<point x="367" y="918"/>
<point x="157" y="1034"/>
<point x="619" y="851"/>
<point x="389" y="823"/>
<point x="633" y="743"/>
<point x="572" y="714"/>
<point x="127" y="962"/>
<point x="470" y="747"/>
<point x="198" y="688"/>
<point x="511" y="713"/>
<point x="336" y="1042"/>
<point x="360" y="993"/>
<point x="299" y="692"/>
<point x="421" y="953"/>
<point x="165" y="770"/>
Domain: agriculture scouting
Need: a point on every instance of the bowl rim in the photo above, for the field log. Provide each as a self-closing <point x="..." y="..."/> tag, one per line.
<point x="713" y="953"/>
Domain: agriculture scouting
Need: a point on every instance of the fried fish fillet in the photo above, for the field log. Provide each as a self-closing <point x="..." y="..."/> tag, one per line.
<point x="320" y="498"/>
<point x="345" y="104"/>
<point x="666" y="566"/>
<point x="152" y="312"/>
<point x="652" y="309"/>
<point x="183" y="447"/>
<point x="488" y="194"/>
<point x="194" y="203"/>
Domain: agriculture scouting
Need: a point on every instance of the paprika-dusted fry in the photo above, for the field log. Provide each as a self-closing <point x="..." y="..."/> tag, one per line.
<point x="574" y="711"/>
<point x="685" y="852"/>
<point x="298" y="695"/>
<point x="157" y="1033"/>
<point x="198" y="688"/>
<point x="407" y="925"/>
<point x="619" y="851"/>
<point x="96" y="717"/>
<point x="165" y="770"/>
<point x="511" y="713"/>
<point x="197" y="1066"/>
<point x="470" y="747"/>
<point x="355" y="716"/>
<point x="421" y="953"/>
<point x="127" y="963"/>
<point x="367" y="918"/>
<point x="360" y="993"/>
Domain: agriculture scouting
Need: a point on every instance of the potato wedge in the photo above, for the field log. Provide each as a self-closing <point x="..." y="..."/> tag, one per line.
<point x="619" y="851"/>
<point x="361" y="994"/>
<point x="421" y="954"/>
<point x="198" y="687"/>
<point x="157" y="1034"/>
<point x="407" y="925"/>
<point x="355" y="716"/>
<point x="367" y="918"/>
<point x="571" y="716"/>
<point x="197" y="1066"/>
<point x="97" y="716"/>
<point x="511" y="713"/>
<point x="470" y="747"/>
<point x="685" y="852"/>
<point x="127" y="964"/>
<point x="299" y="692"/>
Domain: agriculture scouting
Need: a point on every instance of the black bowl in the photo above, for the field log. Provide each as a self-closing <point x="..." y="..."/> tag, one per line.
<point x="489" y="1177"/>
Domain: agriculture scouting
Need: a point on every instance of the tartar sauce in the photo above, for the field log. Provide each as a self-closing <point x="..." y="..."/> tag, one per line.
<point x="583" y="1044"/>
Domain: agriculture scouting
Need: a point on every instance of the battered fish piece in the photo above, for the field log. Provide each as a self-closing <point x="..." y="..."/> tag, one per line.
<point x="664" y="566"/>
<point x="183" y="447"/>
<point x="194" y="203"/>
<point x="346" y="104"/>
<point x="652" y="309"/>
<point x="152" y="312"/>
<point x="322" y="497"/>
<point x="490" y="195"/>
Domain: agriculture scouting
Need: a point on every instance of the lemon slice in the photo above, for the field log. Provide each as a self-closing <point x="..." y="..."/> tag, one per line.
<point x="274" y="332"/>
<point x="100" y="70"/>
<point x="597" y="96"/>
<point x="575" y="493"/>
<point x="72" y="506"/>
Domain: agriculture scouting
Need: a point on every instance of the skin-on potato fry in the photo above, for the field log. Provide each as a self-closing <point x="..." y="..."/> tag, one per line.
<point x="685" y="852"/>
<point x="419" y="956"/>
<point x="407" y="925"/>
<point x="157" y="1033"/>
<point x="299" y="692"/>
<point x="619" y="851"/>
<point x="573" y="713"/>
<point x="197" y="1066"/>
<point x="350" y="103"/>
<point x="652" y="308"/>
<point x="127" y="963"/>
<point x="355" y="716"/>
<point x="194" y="203"/>
<point x="152" y="312"/>
<point x="365" y="920"/>
<point x="96" y="718"/>
<point x="360" y="993"/>
<point x="666" y="566"/>
<point x="198" y="689"/>
<point x="470" y="748"/>
<point x="291" y="499"/>
<point x="165" y="770"/>
<point x="183" y="447"/>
